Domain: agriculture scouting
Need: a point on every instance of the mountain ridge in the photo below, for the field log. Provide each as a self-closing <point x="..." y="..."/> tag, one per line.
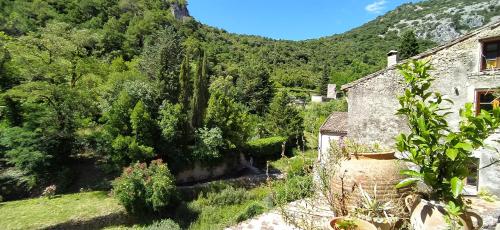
<point x="361" y="50"/>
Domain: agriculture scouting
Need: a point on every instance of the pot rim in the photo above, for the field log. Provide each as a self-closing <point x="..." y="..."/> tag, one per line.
<point x="390" y="155"/>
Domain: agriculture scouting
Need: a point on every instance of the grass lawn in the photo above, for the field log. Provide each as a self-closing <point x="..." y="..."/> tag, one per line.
<point x="42" y="212"/>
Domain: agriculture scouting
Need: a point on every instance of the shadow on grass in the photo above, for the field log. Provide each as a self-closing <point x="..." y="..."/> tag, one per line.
<point x="179" y="213"/>
<point x="184" y="215"/>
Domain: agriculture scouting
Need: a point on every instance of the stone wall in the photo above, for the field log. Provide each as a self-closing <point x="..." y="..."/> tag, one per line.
<point x="372" y="105"/>
<point x="373" y="100"/>
<point x="203" y="172"/>
<point x="324" y="144"/>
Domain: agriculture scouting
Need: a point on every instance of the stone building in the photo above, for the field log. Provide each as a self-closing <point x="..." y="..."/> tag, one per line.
<point x="467" y="70"/>
<point x="331" y="94"/>
<point x="333" y="129"/>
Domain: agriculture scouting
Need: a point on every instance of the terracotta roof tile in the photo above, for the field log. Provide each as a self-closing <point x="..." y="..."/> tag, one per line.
<point x="336" y="123"/>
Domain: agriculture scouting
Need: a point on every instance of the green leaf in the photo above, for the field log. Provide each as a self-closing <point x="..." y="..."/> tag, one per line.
<point x="411" y="173"/>
<point x="421" y="123"/>
<point x="452" y="153"/>
<point x="464" y="146"/>
<point x="457" y="186"/>
<point x="407" y="182"/>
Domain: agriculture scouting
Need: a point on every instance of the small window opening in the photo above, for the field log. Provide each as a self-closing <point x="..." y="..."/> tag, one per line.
<point x="491" y="55"/>
<point x="487" y="100"/>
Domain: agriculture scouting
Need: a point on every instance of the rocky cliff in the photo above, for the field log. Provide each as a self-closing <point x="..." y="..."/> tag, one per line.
<point x="444" y="20"/>
<point x="179" y="11"/>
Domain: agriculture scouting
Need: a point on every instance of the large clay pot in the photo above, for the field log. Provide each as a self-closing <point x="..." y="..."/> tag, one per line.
<point x="389" y="224"/>
<point x="360" y="224"/>
<point x="431" y="215"/>
<point x="369" y="170"/>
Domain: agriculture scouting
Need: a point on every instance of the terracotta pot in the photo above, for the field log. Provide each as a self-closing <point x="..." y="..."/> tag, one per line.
<point x="385" y="225"/>
<point x="369" y="170"/>
<point x="360" y="224"/>
<point x="431" y="215"/>
<point x="376" y="156"/>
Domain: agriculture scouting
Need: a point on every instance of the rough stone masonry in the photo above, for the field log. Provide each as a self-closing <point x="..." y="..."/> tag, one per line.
<point x="457" y="68"/>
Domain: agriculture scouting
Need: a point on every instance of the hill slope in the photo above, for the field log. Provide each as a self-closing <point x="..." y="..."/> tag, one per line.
<point x="348" y="56"/>
<point x="362" y="50"/>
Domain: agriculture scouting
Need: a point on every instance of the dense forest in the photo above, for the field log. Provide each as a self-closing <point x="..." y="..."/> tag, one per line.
<point x="125" y="81"/>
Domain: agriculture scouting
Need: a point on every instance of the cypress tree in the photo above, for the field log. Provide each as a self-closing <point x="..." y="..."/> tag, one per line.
<point x="184" y="94"/>
<point x="200" y="92"/>
<point x="184" y="83"/>
<point x="283" y="118"/>
<point x="409" y="45"/>
<point x="323" y="84"/>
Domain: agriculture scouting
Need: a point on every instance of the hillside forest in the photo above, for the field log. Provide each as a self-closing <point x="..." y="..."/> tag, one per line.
<point x="116" y="82"/>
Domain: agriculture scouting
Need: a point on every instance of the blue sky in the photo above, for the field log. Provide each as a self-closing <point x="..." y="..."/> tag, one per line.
<point x="289" y="19"/>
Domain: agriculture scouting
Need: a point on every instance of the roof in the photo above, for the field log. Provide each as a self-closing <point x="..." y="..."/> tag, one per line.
<point x="425" y="54"/>
<point x="335" y="123"/>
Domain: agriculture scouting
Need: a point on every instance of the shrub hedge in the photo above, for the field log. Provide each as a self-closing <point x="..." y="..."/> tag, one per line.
<point x="266" y="148"/>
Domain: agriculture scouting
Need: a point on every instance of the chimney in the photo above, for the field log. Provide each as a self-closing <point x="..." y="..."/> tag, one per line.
<point x="332" y="91"/>
<point x="392" y="58"/>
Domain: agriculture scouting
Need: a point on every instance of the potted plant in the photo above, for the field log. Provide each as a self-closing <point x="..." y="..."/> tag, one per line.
<point x="375" y="211"/>
<point x="440" y="154"/>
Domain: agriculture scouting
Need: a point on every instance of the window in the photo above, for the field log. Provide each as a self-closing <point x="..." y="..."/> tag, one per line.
<point x="486" y="100"/>
<point x="491" y="55"/>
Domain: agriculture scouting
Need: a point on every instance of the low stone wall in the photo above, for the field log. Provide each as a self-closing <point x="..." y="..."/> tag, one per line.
<point x="248" y="182"/>
<point x="202" y="172"/>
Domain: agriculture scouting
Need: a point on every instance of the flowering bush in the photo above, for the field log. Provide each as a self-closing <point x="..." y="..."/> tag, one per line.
<point x="143" y="189"/>
<point x="49" y="192"/>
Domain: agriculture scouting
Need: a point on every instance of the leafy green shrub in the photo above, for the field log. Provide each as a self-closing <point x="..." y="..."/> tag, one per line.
<point x="300" y="164"/>
<point x="265" y="147"/>
<point x="209" y="142"/>
<point x="228" y="196"/>
<point x="299" y="167"/>
<point x="292" y="189"/>
<point x="15" y="185"/>
<point x="166" y="224"/>
<point x="24" y="150"/>
<point x="142" y="189"/>
<point x="252" y="210"/>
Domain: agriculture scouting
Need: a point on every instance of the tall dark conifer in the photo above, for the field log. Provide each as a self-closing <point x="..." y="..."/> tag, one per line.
<point x="184" y="94"/>
<point x="409" y="46"/>
<point x="325" y="79"/>
<point x="184" y="84"/>
<point x="200" y="92"/>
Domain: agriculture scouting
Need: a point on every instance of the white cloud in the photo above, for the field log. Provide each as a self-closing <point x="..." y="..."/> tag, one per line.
<point x="377" y="7"/>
